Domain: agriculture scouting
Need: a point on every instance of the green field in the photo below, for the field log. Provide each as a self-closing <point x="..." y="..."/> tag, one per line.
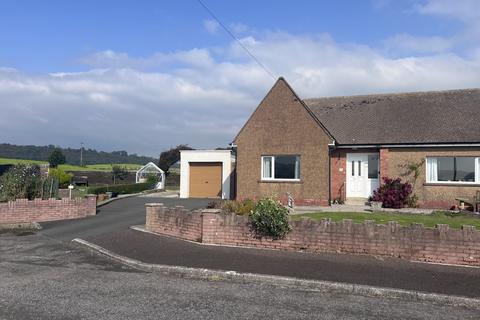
<point x="403" y="219"/>
<point x="69" y="167"/>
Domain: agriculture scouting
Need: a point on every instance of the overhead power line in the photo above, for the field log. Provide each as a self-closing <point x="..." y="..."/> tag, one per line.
<point x="237" y="40"/>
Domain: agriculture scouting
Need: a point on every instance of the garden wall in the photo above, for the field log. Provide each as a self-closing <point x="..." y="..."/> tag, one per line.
<point x="38" y="210"/>
<point x="415" y="242"/>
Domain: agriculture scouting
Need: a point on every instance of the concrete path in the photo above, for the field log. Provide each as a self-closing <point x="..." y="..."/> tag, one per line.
<point x="357" y="269"/>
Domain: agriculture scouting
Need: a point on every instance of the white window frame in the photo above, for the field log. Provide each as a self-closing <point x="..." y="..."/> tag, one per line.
<point x="273" y="168"/>
<point x="477" y="172"/>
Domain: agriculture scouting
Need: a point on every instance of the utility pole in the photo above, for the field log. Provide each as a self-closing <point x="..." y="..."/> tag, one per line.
<point x="81" y="154"/>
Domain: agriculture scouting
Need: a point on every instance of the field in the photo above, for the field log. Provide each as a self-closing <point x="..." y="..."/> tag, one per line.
<point x="68" y="167"/>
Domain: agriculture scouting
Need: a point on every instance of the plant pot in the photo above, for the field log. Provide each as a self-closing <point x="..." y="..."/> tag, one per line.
<point x="376" y="205"/>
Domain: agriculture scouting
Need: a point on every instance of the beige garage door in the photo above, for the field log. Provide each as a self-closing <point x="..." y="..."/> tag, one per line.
<point x="205" y="179"/>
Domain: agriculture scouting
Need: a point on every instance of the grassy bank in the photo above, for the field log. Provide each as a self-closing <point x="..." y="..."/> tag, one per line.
<point x="403" y="219"/>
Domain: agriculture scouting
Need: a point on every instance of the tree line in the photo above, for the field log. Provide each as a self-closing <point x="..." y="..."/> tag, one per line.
<point x="72" y="156"/>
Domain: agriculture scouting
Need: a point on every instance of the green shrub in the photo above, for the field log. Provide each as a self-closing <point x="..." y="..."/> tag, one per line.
<point x="120" y="188"/>
<point x="21" y="182"/>
<point x="229" y="206"/>
<point x="63" y="177"/>
<point x="270" y="218"/>
<point x="245" y="207"/>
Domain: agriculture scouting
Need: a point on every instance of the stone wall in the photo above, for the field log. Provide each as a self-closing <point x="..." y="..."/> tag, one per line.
<point x="415" y="242"/>
<point x="38" y="210"/>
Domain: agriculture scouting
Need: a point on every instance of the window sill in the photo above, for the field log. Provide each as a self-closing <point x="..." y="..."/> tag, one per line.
<point x="452" y="184"/>
<point x="294" y="181"/>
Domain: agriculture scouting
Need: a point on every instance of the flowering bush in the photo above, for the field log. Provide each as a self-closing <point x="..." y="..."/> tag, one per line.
<point x="393" y="193"/>
<point x="270" y="218"/>
<point x="20" y="181"/>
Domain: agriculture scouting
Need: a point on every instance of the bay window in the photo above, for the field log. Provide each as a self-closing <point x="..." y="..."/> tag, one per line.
<point x="282" y="167"/>
<point x="453" y="169"/>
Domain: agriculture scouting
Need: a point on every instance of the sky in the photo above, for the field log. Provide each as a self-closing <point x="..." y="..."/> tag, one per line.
<point x="143" y="76"/>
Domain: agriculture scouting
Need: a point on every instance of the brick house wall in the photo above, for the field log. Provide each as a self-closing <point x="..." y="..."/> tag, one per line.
<point x="432" y="195"/>
<point x="415" y="242"/>
<point x="38" y="210"/>
<point x="282" y="126"/>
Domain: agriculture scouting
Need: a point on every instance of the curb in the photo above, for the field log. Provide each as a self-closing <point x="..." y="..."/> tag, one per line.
<point x="315" y="285"/>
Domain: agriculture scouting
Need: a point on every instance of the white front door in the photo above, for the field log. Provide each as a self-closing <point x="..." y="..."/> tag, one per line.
<point x="356" y="175"/>
<point x="362" y="174"/>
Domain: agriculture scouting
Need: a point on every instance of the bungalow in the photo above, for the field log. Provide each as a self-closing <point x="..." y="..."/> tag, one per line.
<point x="339" y="148"/>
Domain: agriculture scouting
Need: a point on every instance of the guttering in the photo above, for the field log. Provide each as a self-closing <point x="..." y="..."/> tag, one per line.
<point x="432" y="145"/>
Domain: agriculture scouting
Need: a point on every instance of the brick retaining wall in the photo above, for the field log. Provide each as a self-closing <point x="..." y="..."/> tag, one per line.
<point x="415" y="242"/>
<point x="38" y="210"/>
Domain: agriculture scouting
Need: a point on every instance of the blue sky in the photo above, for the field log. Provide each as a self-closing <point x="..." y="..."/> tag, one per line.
<point x="166" y="73"/>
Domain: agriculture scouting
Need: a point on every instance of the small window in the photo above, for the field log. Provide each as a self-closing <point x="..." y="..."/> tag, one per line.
<point x="452" y="169"/>
<point x="373" y="166"/>
<point x="283" y="167"/>
<point x="267" y="167"/>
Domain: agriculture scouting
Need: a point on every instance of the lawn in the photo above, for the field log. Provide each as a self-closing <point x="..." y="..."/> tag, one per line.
<point x="403" y="219"/>
<point x="69" y="167"/>
<point x="20" y="161"/>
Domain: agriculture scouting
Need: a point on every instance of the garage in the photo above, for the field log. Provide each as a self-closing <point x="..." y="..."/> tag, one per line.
<point x="205" y="180"/>
<point x="206" y="173"/>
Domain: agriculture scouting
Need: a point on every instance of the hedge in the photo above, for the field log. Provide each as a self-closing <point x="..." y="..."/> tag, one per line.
<point x="121" y="188"/>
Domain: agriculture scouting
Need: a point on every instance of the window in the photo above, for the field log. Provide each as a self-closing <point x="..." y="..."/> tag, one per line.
<point x="285" y="167"/>
<point x="373" y="166"/>
<point x="453" y="169"/>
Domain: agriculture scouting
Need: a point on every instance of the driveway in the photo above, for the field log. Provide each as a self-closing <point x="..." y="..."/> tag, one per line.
<point x="113" y="217"/>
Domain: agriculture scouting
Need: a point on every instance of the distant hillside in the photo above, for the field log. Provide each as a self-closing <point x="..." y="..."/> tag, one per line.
<point x="90" y="156"/>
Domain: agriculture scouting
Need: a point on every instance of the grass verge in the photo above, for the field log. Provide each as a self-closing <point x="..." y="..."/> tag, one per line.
<point x="455" y="222"/>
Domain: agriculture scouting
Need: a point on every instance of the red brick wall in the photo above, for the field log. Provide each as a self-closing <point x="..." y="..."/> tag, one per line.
<point x="338" y="174"/>
<point x="177" y="222"/>
<point x="38" y="210"/>
<point x="414" y="242"/>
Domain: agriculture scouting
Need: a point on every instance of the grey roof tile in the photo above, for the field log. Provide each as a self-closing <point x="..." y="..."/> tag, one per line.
<point x="451" y="116"/>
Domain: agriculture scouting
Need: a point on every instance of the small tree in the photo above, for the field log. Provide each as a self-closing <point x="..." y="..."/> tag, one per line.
<point x="119" y="173"/>
<point x="169" y="157"/>
<point x="62" y="177"/>
<point x="56" y="158"/>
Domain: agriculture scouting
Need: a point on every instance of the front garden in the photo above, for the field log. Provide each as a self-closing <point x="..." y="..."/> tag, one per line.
<point x="454" y="220"/>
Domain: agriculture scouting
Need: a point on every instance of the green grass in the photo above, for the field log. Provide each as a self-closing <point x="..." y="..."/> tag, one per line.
<point x="99" y="167"/>
<point x="20" y="161"/>
<point x="403" y="219"/>
<point x="69" y="167"/>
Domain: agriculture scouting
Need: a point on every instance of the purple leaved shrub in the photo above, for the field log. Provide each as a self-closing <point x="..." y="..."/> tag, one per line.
<point x="393" y="193"/>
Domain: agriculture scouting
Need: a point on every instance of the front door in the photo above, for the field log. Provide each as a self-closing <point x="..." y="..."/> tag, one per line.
<point x="362" y="174"/>
<point x="356" y="175"/>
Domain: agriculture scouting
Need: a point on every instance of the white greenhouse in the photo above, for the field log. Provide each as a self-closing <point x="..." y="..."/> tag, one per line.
<point x="151" y="170"/>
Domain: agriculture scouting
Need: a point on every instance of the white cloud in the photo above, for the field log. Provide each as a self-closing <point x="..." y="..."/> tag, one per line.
<point x="211" y="26"/>
<point x="203" y="96"/>
<point x="407" y="43"/>
<point x="466" y="10"/>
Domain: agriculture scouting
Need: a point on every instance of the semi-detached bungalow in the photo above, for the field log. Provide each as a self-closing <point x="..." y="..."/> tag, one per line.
<point x="325" y="149"/>
<point x="339" y="148"/>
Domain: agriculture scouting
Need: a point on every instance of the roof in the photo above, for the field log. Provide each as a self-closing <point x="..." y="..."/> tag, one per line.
<point x="451" y="116"/>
